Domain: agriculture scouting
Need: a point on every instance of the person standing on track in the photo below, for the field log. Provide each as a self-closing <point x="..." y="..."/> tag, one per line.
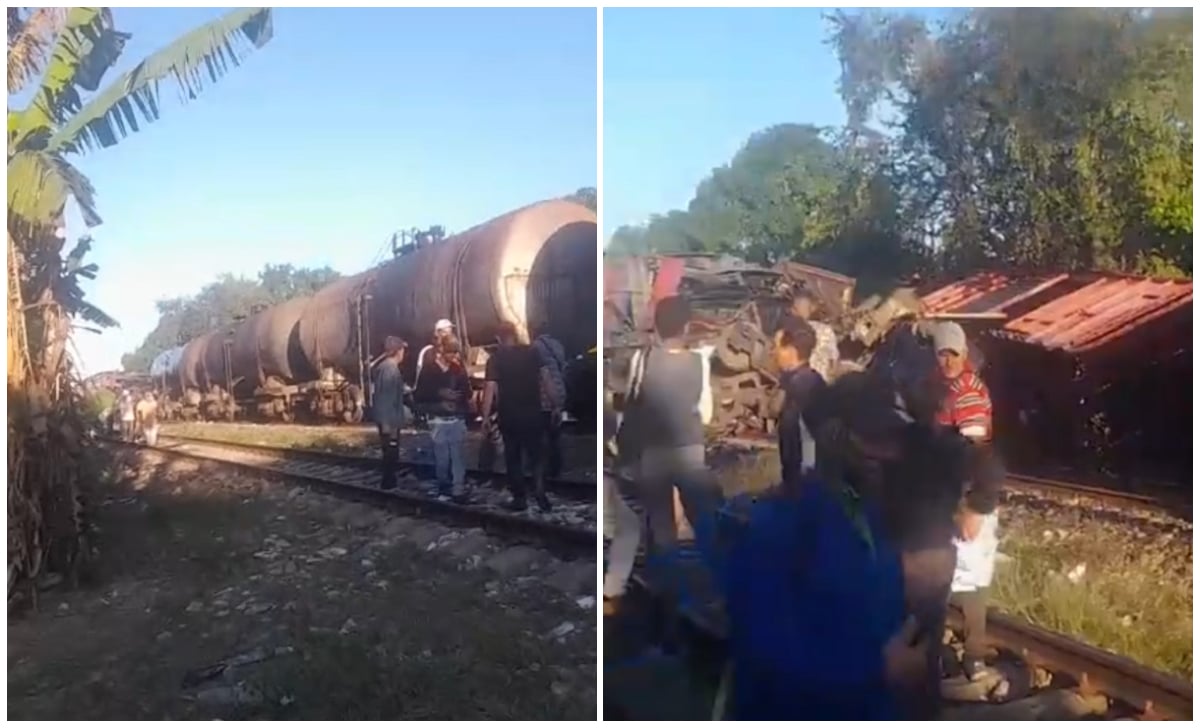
<point x="801" y="385"/>
<point x="554" y="398"/>
<point x="967" y="409"/>
<point x="513" y="392"/>
<point x="667" y="404"/>
<point x="388" y="408"/>
<point x="442" y="330"/>
<point x="825" y="356"/>
<point x="147" y="418"/>
<point x="444" y="394"/>
<point x="128" y="415"/>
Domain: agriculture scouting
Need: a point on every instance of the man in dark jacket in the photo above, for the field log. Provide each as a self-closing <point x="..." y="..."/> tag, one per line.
<point x="513" y="391"/>
<point x="388" y="407"/>
<point x="794" y="345"/>
<point x="443" y="393"/>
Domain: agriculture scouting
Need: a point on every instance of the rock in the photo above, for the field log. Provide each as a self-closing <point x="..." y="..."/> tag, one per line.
<point x="396" y="527"/>
<point x="472" y="543"/>
<point x="574" y="577"/>
<point x="163" y="636"/>
<point x="423" y="535"/>
<point x="561" y="631"/>
<point x="194" y="607"/>
<point x="560" y="690"/>
<point x="332" y="552"/>
<point x="63" y="608"/>
<point x="367" y="564"/>
<point x="513" y="560"/>
<point x="228" y="695"/>
<point x="348" y="626"/>
<point x="254" y="609"/>
<point x="586" y="602"/>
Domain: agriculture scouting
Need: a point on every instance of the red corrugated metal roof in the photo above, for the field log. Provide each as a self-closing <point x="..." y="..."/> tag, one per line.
<point x="988" y="292"/>
<point x="1104" y="309"/>
<point x="1088" y="310"/>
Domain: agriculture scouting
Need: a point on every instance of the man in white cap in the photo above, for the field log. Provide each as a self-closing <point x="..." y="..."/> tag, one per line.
<point x="442" y="330"/>
<point x="967" y="408"/>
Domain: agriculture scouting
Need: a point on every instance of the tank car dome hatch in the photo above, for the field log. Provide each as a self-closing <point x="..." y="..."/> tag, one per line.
<point x="167" y="362"/>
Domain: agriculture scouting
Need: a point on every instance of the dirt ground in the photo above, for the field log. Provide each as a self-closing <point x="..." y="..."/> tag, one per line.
<point x="216" y="596"/>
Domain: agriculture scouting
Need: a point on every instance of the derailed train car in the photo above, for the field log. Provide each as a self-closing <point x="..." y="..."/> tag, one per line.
<point x="737" y="306"/>
<point x="1085" y="369"/>
<point x="534" y="268"/>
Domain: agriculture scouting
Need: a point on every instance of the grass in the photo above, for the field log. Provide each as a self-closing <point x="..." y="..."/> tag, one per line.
<point x="1134" y="597"/>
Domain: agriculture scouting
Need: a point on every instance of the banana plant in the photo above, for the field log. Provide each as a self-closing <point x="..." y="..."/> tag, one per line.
<point x="70" y="115"/>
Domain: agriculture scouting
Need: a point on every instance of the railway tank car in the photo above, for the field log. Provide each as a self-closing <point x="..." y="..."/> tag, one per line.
<point x="534" y="268"/>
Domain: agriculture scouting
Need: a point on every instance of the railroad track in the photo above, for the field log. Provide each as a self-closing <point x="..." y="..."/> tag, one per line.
<point x="1166" y="501"/>
<point x="568" y="528"/>
<point x="1128" y="688"/>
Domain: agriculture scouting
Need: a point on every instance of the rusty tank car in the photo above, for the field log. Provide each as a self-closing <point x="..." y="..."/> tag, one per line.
<point x="534" y="268"/>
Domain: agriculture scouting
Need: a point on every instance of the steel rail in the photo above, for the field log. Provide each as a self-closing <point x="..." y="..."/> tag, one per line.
<point x="574" y="489"/>
<point x="568" y="539"/>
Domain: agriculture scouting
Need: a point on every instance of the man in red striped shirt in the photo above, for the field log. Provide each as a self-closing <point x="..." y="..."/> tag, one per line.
<point x="967" y="408"/>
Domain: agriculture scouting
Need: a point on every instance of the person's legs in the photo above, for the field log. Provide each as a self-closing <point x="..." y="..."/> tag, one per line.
<point x="490" y="445"/>
<point x="440" y="434"/>
<point x="928" y="573"/>
<point x="389" y="444"/>
<point x="535" y="448"/>
<point x="554" y="448"/>
<point x="626" y="533"/>
<point x="457" y="438"/>
<point x="974" y="608"/>
<point x="513" y="466"/>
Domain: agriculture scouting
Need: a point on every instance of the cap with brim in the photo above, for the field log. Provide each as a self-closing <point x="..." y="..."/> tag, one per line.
<point x="443" y="324"/>
<point x="949" y="336"/>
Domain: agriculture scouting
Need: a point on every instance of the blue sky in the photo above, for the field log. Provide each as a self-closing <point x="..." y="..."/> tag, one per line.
<point x="349" y="125"/>
<point x="683" y="89"/>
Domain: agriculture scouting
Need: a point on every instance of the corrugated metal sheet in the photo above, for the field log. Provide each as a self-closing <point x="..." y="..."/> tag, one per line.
<point x="1102" y="310"/>
<point x="989" y="292"/>
<point x="1086" y="310"/>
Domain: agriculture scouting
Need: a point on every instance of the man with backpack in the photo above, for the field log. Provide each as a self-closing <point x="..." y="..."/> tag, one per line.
<point x="554" y="398"/>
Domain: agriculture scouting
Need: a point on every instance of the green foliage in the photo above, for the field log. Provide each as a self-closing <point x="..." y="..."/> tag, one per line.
<point x="1004" y="137"/>
<point x="96" y="401"/>
<point x="221" y="303"/>
<point x="585" y="196"/>
<point x="793" y="191"/>
<point x="1039" y="137"/>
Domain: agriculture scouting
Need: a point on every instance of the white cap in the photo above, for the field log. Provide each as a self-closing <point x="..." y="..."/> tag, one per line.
<point x="949" y="336"/>
<point x="442" y="324"/>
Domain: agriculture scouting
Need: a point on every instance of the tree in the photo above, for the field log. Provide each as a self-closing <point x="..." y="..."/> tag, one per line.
<point x="72" y="50"/>
<point x="585" y="196"/>
<point x="1039" y="137"/>
<point x="793" y="191"/>
<point x="220" y="304"/>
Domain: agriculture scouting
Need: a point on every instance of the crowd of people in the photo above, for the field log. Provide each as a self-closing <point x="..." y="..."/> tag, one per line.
<point x="836" y="583"/>
<point x="521" y="409"/>
<point x="133" y="417"/>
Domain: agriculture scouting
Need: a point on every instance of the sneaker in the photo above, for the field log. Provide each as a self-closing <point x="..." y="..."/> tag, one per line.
<point x="516" y="504"/>
<point x="543" y="503"/>
<point x="387" y="485"/>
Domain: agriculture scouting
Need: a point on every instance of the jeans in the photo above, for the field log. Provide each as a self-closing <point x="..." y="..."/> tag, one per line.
<point x="974" y="608"/>
<point x="553" y="445"/>
<point x="449" y="435"/>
